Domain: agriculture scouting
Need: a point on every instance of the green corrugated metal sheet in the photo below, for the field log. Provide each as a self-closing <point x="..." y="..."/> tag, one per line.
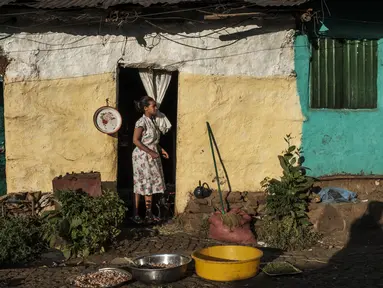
<point x="344" y="74"/>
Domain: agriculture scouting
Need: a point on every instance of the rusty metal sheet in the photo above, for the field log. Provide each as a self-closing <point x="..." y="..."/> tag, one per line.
<point x="52" y="4"/>
<point x="278" y="2"/>
<point x="87" y="182"/>
<point x="5" y="2"/>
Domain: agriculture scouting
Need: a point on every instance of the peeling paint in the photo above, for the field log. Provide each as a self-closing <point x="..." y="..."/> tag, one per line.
<point x="4" y="62"/>
<point x="60" y="55"/>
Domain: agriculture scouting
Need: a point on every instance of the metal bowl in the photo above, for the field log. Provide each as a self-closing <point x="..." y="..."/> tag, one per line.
<point x="71" y="281"/>
<point x="159" y="276"/>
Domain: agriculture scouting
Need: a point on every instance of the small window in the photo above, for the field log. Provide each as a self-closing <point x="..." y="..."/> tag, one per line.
<point x="344" y="74"/>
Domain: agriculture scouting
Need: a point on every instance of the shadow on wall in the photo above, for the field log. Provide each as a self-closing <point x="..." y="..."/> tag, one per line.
<point x="358" y="264"/>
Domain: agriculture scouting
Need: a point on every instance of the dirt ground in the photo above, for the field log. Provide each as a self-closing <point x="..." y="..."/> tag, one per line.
<point x="358" y="264"/>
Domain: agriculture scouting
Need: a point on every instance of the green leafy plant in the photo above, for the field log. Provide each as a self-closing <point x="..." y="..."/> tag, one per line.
<point x="20" y="240"/>
<point x="290" y="194"/>
<point x="287" y="202"/>
<point x="83" y="225"/>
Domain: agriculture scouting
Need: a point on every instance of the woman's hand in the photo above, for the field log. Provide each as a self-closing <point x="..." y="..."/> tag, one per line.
<point x="154" y="154"/>
<point x="164" y="153"/>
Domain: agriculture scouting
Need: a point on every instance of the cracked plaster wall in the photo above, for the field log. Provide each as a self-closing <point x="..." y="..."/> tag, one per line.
<point x="56" y="81"/>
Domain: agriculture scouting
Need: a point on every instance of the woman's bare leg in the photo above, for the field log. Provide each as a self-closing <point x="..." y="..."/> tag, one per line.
<point x="148" y="204"/>
<point x="136" y="203"/>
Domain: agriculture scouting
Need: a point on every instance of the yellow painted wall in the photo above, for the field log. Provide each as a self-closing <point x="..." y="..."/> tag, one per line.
<point x="49" y="131"/>
<point x="249" y="118"/>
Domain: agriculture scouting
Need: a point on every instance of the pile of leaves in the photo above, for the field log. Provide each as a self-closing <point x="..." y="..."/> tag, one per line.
<point x="286" y="225"/>
<point x="83" y="225"/>
<point x="20" y="240"/>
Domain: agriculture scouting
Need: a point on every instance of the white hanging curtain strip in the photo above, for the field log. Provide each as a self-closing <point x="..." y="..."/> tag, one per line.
<point x="156" y="83"/>
<point x="161" y="82"/>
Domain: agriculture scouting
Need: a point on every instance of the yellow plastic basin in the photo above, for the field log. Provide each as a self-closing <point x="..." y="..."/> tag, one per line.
<point x="227" y="263"/>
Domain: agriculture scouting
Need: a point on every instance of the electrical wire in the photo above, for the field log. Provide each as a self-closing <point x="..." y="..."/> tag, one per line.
<point x="152" y="24"/>
<point x="200" y="48"/>
<point x="199" y="36"/>
<point x="146" y="15"/>
<point x="50" y="44"/>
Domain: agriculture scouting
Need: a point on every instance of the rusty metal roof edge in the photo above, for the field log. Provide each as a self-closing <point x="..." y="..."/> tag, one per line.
<point x="277" y="3"/>
<point x="109" y="3"/>
<point x="5" y="2"/>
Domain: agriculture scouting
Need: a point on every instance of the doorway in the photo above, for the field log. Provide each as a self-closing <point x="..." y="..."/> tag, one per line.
<point x="3" y="182"/>
<point x="130" y="89"/>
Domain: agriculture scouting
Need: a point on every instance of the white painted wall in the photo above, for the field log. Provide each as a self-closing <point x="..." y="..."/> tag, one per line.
<point x="60" y="55"/>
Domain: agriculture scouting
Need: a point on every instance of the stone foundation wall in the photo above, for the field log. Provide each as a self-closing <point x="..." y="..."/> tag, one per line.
<point x="333" y="221"/>
<point x="195" y="218"/>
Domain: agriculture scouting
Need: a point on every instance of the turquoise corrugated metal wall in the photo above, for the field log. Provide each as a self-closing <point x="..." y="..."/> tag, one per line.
<point x="339" y="141"/>
<point x="344" y="74"/>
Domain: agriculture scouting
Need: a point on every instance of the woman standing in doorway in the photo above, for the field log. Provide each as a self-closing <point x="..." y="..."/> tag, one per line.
<point x="148" y="176"/>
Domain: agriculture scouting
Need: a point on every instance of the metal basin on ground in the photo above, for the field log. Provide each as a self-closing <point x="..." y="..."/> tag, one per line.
<point x="227" y="263"/>
<point x="156" y="276"/>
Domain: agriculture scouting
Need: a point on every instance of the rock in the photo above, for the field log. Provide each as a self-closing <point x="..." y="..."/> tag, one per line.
<point x="204" y="201"/>
<point x="250" y="202"/>
<point x="120" y="261"/>
<point x="250" y="208"/>
<point x="235" y="197"/>
<point x="194" y="207"/>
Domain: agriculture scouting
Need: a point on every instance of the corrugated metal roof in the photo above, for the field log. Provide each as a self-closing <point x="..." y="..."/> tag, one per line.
<point x="277" y="2"/>
<point x="5" y="2"/>
<point x="91" y="3"/>
<point x="52" y="4"/>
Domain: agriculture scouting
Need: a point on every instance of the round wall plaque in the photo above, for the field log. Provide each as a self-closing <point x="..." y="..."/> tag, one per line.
<point x="107" y="120"/>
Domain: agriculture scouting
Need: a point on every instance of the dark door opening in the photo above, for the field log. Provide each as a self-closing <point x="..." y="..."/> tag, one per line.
<point x="3" y="182"/>
<point x="130" y="89"/>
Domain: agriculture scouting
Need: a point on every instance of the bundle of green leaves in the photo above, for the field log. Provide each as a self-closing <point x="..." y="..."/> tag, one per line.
<point x="82" y="224"/>
<point x="19" y="240"/>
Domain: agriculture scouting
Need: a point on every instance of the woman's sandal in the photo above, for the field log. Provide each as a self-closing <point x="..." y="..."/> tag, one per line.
<point x="152" y="219"/>
<point x="137" y="219"/>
